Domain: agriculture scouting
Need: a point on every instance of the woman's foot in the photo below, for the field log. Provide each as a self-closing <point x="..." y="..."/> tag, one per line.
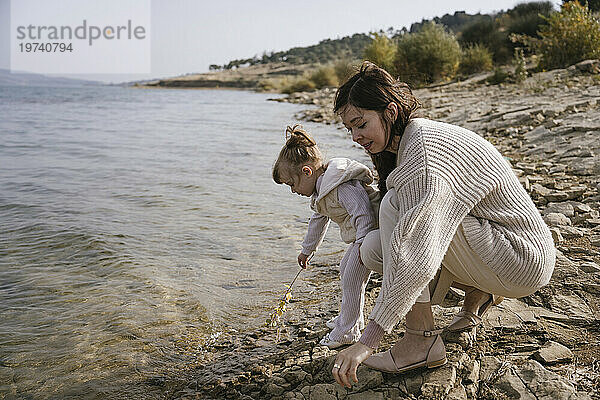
<point x="415" y="350"/>
<point x="476" y="304"/>
<point x="421" y="346"/>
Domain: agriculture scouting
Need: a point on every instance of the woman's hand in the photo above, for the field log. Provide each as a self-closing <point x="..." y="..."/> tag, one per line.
<point x="347" y="362"/>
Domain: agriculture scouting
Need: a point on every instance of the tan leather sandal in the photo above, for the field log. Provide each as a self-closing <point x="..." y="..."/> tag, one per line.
<point x="436" y="355"/>
<point x="466" y="320"/>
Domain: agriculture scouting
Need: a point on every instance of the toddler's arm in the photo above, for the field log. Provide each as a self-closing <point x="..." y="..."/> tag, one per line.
<point x="317" y="227"/>
<point x="354" y="198"/>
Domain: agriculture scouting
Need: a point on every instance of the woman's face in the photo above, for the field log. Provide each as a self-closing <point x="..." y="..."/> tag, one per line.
<point x="366" y="127"/>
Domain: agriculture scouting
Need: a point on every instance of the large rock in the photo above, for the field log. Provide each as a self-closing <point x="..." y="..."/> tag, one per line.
<point x="323" y="391"/>
<point x="557" y="195"/>
<point x="556" y="219"/>
<point x="570" y="232"/>
<point x="553" y="353"/>
<point x="368" y="395"/>
<point x="546" y="385"/>
<point x="588" y="66"/>
<point x="367" y="379"/>
<point x="526" y="381"/>
<point x="510" y="315"/>
<point x="457" y="393"/>
<point x="438" y="382"/>
<point x="571" y="305"/>
<point x="564" y="208"/>
<point x="589" y="267"/>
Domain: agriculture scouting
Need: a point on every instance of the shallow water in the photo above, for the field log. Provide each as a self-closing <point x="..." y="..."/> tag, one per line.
<point x="135" y="225"/>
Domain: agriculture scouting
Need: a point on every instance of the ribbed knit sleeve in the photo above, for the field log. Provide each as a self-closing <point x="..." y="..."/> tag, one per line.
<point x="317" y="228"/>
<point x="429" y="217"/>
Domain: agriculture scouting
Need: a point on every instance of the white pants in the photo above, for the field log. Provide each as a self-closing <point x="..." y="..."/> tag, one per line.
<point x="460" y="264"/>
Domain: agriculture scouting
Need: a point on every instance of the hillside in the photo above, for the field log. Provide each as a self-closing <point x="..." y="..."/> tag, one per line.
<point x="8" y="78"/>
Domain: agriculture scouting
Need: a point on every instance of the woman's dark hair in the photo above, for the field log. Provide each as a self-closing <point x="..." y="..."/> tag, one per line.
<point x="373" y="88"/>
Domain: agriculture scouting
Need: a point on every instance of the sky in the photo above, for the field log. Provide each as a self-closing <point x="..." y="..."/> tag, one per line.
<point x="186" y="36"/>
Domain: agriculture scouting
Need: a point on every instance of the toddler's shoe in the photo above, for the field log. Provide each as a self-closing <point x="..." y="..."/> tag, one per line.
<point x="334" y="344"/>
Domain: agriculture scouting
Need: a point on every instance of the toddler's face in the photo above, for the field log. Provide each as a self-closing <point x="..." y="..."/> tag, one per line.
<point x="302" y="183"/>
<point x="366" y="128"/>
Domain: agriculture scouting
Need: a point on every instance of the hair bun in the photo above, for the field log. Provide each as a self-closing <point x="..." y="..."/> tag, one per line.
<point x="297" y="136"/>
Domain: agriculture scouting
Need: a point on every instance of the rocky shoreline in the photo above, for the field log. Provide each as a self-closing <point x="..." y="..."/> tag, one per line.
<point x="253" y="77"/>
<point x="541" y="347"/>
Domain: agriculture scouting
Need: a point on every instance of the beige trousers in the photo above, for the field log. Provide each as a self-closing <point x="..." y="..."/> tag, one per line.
<point x="460" y="264"/>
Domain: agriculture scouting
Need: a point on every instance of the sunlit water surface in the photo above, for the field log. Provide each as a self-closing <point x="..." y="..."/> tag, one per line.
<point x="136" y="224"/>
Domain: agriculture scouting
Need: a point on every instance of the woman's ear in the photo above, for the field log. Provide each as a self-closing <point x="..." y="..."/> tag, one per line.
<point x="391" y="111"/>
<point x="307" y="170"/>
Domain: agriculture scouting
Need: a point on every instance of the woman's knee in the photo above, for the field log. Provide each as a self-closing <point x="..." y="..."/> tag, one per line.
<point x="371" y="253"/>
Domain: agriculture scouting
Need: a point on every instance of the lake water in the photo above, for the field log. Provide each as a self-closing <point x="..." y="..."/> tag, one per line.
<point x="135" y="225"/>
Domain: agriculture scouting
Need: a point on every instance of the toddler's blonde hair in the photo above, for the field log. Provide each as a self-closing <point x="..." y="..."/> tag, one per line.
<point x="299" y="149"/>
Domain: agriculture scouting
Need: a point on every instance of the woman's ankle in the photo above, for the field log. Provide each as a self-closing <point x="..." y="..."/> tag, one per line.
<point x="420" y="317"/>
<point x="474" y="299"/>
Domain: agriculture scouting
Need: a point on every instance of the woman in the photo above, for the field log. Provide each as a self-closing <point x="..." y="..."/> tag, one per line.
<point x="453" y="213"/>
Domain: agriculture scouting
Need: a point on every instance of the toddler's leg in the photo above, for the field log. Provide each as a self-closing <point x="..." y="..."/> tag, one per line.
<point x="353" y="281"/>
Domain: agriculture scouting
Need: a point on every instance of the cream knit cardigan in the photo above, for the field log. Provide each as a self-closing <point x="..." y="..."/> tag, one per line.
<point x="445" y="176"/>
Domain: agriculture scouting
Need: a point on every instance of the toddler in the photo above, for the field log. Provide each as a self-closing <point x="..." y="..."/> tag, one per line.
<point x="340" y="191"/>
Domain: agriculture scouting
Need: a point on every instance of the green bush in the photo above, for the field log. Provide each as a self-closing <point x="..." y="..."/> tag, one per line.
<point x="324" y="77"/>
<point x="427" y="56"/>
<point x="381" y="51"/>
<point x="593" y="5"/>
<point x="499" y="76"/>
<point x="486" y="32"/>
<point x="475" y="58"/>
<point x="343" y="70"/>
<point x="299" y="85"/>
<point x="570" y="36"/>
<point x="527" y="18"/>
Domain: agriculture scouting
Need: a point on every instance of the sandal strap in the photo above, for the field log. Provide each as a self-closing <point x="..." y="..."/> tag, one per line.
<point x="430" y="333"/>
<point x="469" y="315"/>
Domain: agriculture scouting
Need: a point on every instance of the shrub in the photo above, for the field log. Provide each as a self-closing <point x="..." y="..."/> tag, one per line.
<point x="299" y="85"/>
<point x="323" y="77"/>
<point x="343" y="70"/>
<point x="381" y="51"/>
<point x="520" y="66"/>
<point x="486" y="33"/>
<point x="526" y="18"/>
<point x="571" y="35"/>
<point x="593" y="5"/>
<point x="429" y="55"/>
<point x="475" y="58"/>
<point x="499" y="76"/>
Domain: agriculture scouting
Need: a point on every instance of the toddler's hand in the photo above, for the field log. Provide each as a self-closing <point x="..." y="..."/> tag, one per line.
<point x="303" y="260"/>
